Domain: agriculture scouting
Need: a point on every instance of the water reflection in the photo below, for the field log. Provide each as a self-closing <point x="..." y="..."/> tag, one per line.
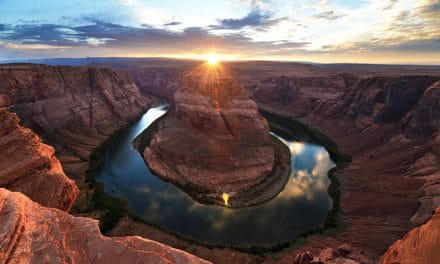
<point x="225" y="197"/>
<point x="301" y="206"/>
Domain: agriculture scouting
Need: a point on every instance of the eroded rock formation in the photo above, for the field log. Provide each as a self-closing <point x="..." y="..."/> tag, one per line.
<point x="29" y="166"/>
<point x="214" y="141"/>
<point x="31" y="233"/>
<point x="390" y="126"/>
<point x="69" y="105"/>
<point x="395" y="162"/>
<point x="344" y="254"/>
<point x="420" y="245"/>
<point x="74" y="109"/>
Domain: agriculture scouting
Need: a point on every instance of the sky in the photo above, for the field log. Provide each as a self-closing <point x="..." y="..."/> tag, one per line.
<point x="325" y="31"/>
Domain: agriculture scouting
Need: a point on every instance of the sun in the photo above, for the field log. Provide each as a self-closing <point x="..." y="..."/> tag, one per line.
<point x="212" y="59"/>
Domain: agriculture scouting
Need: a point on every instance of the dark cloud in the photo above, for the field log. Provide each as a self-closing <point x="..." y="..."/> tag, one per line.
<point x="432" y="6"/>
<point x="420" y="45"/>
<point x="173" y="23"/>
<point x="254" y="19"/>
<point x="146" y="38"/>
<point x="430" y="11"/>
<point x="395" y="44"/>
<point x="328" y="15"/>
<point x="51" y="34"/>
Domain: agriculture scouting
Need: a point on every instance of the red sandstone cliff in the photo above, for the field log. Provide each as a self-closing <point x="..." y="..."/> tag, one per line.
<point x="31" y="233"/>
<point x="68" y="104"/>
<point x="420" y="245"/>
<point x="386" y="117"/>
<point x="391" y="169"/>
<point x="74" y="109"/>
<point x="390" y="127"/>
<point x="29" y="166"/>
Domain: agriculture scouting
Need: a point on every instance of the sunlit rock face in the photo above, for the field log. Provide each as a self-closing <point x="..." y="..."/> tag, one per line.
<point x="74" y="109"/>
<point x="31" y="233"/>
<point x="29" y="166"/>
<point x="420" y="245"/>
<point x="213" y="141"/>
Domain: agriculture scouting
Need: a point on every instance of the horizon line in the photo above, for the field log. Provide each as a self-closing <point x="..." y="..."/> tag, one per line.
<point x="33" y="60"/>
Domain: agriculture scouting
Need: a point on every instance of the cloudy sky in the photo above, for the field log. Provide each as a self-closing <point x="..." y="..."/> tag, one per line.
<point x="371" y="31"/>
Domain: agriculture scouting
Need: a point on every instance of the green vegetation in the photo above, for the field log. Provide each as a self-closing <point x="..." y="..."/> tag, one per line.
<point x="113" y="209"/>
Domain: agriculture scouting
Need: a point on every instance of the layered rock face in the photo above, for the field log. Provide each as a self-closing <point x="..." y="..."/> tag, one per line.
<point x="389" y="125"/>
<point x="31" y="233"/>
<point x="426" y="117"/>
<point x="74" y="109"/>
<point x="386" y="99"/>
<point x="67" y="103"/>
<point x="386" y="117"/>
<point x="213" y="140"/>
<point x="420" y="245"/>
<point x="30" y="167"/>
<point x="160" y="81"/>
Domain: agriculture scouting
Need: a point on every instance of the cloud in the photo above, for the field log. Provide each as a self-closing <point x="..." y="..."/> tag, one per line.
<point x="172" y="23"/>
<point x="328" y="15"/>
<point x="264" y="31"/>
<point x="388" y="44"/>
<point x="389" y="4"/>
<point x="255" y="19"/>
<point x="50" y="34"/>
<point x="142" y="39"/>
<point x="414" y="30"/>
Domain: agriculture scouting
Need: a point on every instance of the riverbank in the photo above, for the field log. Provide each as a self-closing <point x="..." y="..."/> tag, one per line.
<point x="114" y="212"/>
<point x="259" y="193"/>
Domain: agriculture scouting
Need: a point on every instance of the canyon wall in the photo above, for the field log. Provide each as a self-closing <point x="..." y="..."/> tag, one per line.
<point x="420" y="245"/>
<point x="74" y="109"/>
<point x="386" y="118"/>
<point x="30" y="167"/>
<point x="58" y="102"/>
<point x="156" y="80"/>
<point x="389" y="125"/>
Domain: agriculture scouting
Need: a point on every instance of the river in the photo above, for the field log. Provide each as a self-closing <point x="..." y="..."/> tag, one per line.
<point x="300" y="207"/>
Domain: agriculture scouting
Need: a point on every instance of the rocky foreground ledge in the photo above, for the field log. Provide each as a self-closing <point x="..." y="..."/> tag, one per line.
<point x="215" y="145"/>
<point x="420" y="245"/>
<point x="31" y="233"/>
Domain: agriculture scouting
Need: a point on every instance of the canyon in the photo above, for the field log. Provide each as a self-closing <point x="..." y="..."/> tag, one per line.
<point x="74" y="109"/>
<point x="33" y="231"/>
<point x="386" y="117"/>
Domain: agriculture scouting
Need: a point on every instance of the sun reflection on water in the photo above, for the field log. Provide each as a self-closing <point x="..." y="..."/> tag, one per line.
<point x="225" y="197"/>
